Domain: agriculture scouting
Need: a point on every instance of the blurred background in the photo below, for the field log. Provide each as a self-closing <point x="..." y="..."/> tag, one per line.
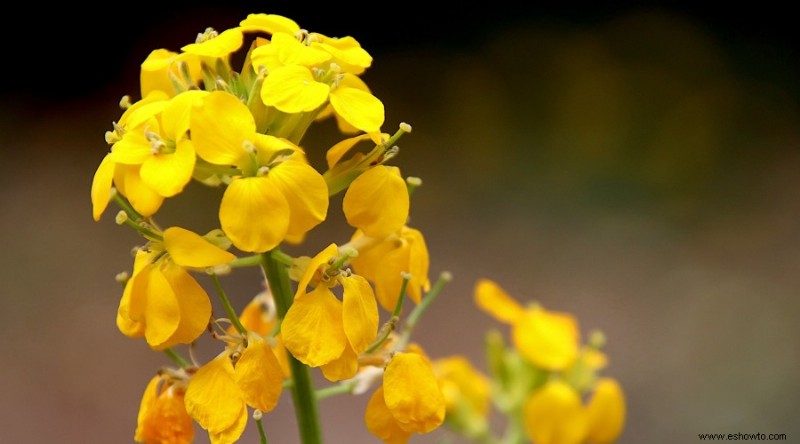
<point x="635" y="165"/>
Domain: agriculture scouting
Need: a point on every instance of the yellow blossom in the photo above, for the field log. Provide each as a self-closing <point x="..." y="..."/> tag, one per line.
<point x="606" y="412"/>
<point x="462" y="383"/>
<point x="162" y="415"/>
<point x="377" y="202"/>
<point x="550" y="340"/>
<point x="277" y="193"/>
<point x="161" y="301"/>
<point x="554" y="415"/>
<point x="220" y="391"/>
<point x="384" y="262"/>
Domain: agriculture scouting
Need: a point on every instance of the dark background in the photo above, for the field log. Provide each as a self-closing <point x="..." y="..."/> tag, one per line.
<point x="635" y="164"/>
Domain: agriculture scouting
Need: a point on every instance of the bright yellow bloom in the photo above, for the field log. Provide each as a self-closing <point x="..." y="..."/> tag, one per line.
<point x="219" y="393"/>
<point x="162" y="66"/>
<point x="269" y="23"/>
<point x="321" y="331"/>
<point x="161" y="301"/>
<point x="550" y="340"/>
<point x="277" y="194"/>
<point x="383" y="263"/>
<point x="162" y="415"/>
<point x="216" y="45"/>
<point x="377" y="202"/>
<point x="410" y="400"/>
<point x="463" y="384"/>
<point x="606" y="412"/>
<point x="554" y="415"/>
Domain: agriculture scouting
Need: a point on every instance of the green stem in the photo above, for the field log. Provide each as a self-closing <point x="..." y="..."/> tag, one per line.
<point x="148" y="233"/>
<point x="247" y="261"/>
<point x="226" y="304"/>
<point x="389" y="327"/>
<point x="426" y="301"/>
<point x="126" y="207"/>
<point x="177" y="358"/>
<point x="340" y="389"/>
<point x="261" y="431"/>
<point x="305" y="401"/>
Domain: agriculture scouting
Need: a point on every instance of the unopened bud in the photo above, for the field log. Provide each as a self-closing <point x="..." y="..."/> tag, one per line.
<point x="121" y="218"/>
<point x="257" y="414"/>
<point x="405" y="127"/>
<point x="446" y="276"/>
<point x="122" y="277"/>
<point x="414" y="181"/>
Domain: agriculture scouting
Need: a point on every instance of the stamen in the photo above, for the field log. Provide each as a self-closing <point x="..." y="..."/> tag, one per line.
<point x="405" y="127"/>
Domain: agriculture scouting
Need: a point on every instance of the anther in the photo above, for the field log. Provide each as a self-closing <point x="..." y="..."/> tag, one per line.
<point x="248" y="146"/>
<point x="121" y="218"/>
<point x="405" y="127"/>
<point x="262" y="171"/>
<point x="414" y="181"/>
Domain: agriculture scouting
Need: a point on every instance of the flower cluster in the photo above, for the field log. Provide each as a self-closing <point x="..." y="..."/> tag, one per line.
<point x="202" y="122"/>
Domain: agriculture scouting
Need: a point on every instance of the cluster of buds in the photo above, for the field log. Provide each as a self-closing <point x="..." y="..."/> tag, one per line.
<point x="202" y="122"/>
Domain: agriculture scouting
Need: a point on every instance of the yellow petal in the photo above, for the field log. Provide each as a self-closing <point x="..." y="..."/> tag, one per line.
<point x="195" y="307"/>
<point x="259" y="375"/>
<point x="133" y="148"/>
<point x="189" y="249"/>
<point x="312" y="272"/>
<point x="305" y="191"/>
<point x="492" y="299"/>
<point x="148" y="400"/>
<point x="167" y="420"/>
<point x="547" y="339"/>
<point x="220" y="46"/>
<point x="256" y="317"/>
<point x="213" y="398"/>
<point x="343" y="367"/>
<point x="412" y="393"/>
<point x="125" y="323"/>
<point x="291" y="52"/>
<point x="220" y="124"/>
<point x="606" y="412"/>
<point x="360" y="312"/>
<point x="101" y="186"/>
<point x="346" y="51"/>
<point x="232" y="434"/>
<point x="336" y="152"/>
<point x="254" y="214"/>
<point x="155" y="70"/>
<point x="143" y="198"/>
<point x="312" y="329"/>
<point x="177" y="114"/>
<point x="380" y="421"/>
<point x="168" y="174"/>
<point x="467" y="384"/>
<point x="418" y="262"/>
<point x="554" y="415"/>
<point x="292" y="89"/>
<point x="377" y="202"/>
<point x="269" y="23"/>
<point x="359" y="108"/>
<point x="162" y="311"/>
<point x="283" y="357"/>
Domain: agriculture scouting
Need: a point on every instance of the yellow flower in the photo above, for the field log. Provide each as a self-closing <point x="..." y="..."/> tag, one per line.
<point x="161" y="301"/>
<point x="606" y="412"/>
<point x="162" y="67"/>
<point x="269" y="23"/>
<point x="410" y="400"/>
<point x="554" y="415"/>
<point x="321" y="331"/>
<point x="377" y="202"/>
<point x="463" y="384"/>
<point x="215" y="45"/>
<point x="383" y="262"/>
<point x="277" y="194"/>
<point x="162" y="415"/>
<point x="550" y="340"/>
<point x="220" y="391"/>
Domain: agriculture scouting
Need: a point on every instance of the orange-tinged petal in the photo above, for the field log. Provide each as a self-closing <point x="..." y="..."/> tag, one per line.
<point x="492" y="299"/>
<point x="195" y="307"/>
<point x="305" y="191"/>
<point x="220" y="125"/>
<point x="380" y="421"/>
<point x="168" y="174"/>
<point x="213" y="398"/>
<point x="254" y="214"/>
<point x="269" y="23"/>
<point x="359" y="108"/>
<point x="554" y="415"/>
<point x="148" y="399"/>
<point x="167" y="421"/>
<point x="312" y="329"/>
<point x="220" y="46"/>
<point x="412" y="393"/>
<point x="232" y="434"/>
<point x="283" y="358"/>
<point x="292" y="89"/>
<point x="547" y="339"/>
<point x="343" y="367"/>
<point x="606" y="412"/>
<point x="360" y="312"/>
<point x="259" y="375"/>
<point x="189" y="249"/>
<point x="101" y="186"/>
<point x="377" y="202"/>
<point x="310" y="275"/>
<point x="256" y="318"/>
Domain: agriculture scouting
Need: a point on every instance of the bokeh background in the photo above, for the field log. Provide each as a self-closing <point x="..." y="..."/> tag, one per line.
<point x="635" y="165"/>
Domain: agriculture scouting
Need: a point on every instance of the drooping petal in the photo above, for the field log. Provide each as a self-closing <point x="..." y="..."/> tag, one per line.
<point x="159" y="65"/>
<point x="312" y="329"/>
<point x="412" y="393"/>
<point x="360" y="312"/>
<point x="359" y="108"/>
<point x="305" y="191"/>
<point x="220" y="46"/>
<point x="148" y="400"/>
<point x="606" y="412"/>
<point x="162" y="312"/>
<point x="195" y="307"/>
<point x="259" y="375"/>
<point x="347" y="52"/>
<point x="213" y="398"/>
<point x="189" y="249"/>
<point x="292" y="89"/>
<point x="254" y="214"/>
<point x="492" y="299"/>
<point x="377" y="202"/>
<point x="232" y="434"/>
<point x="336" y="152"/>
<point x="312" y="270"/>
<point x="554" y="415"/>
<point x="343" y="367"/>
<point x="143" y="198"/>
<point x="220" y="124"/>
<point x="132" y="328"/>
<point x="101" y="186"/>
<point x="547" y="339"/>
<point x="269" y="23"/>
<point x="168" y="174"/>
<point x="418" y="262"/>
<point x="380" y="421"/>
